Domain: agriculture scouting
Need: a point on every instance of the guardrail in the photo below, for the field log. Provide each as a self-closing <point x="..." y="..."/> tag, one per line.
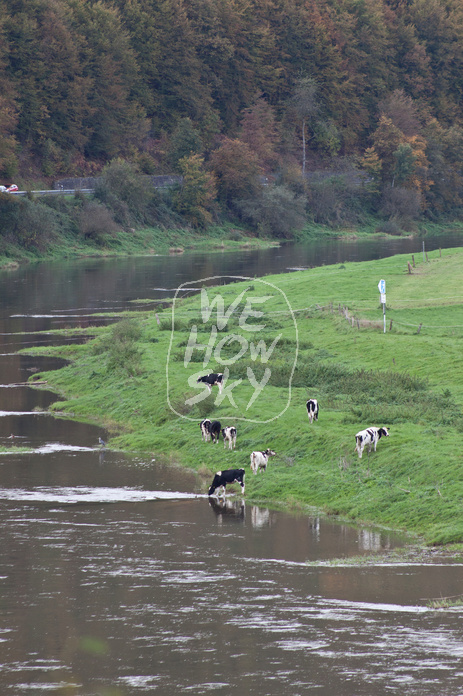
<point x="52" y="192"/>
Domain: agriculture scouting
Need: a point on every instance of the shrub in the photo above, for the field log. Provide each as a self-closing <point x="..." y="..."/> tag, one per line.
<point x="401" y="204"/>
<point x="96" y="222"/>
<point x="336" y="200"/>
<point x="119" y="346"/>
<point x="278" y="212"/>
<point x="389" y="227"/>
<point x="123" y="190"/>
<point x="28" y="223"/>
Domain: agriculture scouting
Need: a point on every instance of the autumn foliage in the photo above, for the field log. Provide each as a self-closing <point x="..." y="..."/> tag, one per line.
<point x="248" y="87"/>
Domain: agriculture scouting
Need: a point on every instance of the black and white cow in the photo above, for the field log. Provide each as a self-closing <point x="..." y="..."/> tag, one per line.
<point x="312" y="409"/>
<point x="222" y="478"/>
<point x="205" y="426"/>
<point x="229" y="435"/>
<point x="214" y="378"/>
<point x="259" y="460"/>
<point x="369" y="437"/>
<point x="214" y="430"/>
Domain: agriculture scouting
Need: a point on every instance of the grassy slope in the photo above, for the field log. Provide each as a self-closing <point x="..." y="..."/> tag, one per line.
<point x="415" y="479"/>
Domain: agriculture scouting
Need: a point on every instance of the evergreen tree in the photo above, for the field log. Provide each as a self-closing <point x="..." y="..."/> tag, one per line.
<point x="259" y="131"/>
<point x="184" y="141"/>
<point x="195" y="197"/>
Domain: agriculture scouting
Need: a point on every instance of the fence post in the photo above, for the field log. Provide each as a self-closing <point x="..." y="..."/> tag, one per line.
<point x="390" y="326"/>
<point x="419" y="328"/>
<point x="409" y="267"/>
<point x="413" y="260"/>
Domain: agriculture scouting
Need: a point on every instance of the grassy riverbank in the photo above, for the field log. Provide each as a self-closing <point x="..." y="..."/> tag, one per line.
<point x="409" y="378"/>
<point x="64" y="242"/>
<point x="142" y="242"/>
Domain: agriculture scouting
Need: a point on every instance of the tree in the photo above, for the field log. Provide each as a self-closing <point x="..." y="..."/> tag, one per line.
<point x="237" y="170"/>
<point x="184" y="141"/>
<point x="372" y="165"/>
<point x="277" y="212"/>
<point x="305" y="104"/>
<point x="404" y="166"/>
<point x="258" y="130"/>
<point x="444" y="151"/>
<point x="118" y="121"/>
<point x="401" y="110"/>
<point x="8" y="120"/>
<point x="386" y="140"/>
<point x="195" y="197"/>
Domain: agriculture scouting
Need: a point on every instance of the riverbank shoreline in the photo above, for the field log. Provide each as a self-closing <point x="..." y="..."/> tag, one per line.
<point x="225" y="237"/>
<point x="409" y="380"/>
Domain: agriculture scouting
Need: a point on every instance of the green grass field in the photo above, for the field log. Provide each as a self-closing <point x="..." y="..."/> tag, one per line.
<point x="326" y="327"/>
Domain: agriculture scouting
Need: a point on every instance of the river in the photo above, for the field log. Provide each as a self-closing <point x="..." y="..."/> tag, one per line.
<point x="120" y="577"/>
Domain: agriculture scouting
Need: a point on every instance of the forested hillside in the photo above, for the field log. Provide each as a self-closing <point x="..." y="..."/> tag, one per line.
<point x="344" y="105"/>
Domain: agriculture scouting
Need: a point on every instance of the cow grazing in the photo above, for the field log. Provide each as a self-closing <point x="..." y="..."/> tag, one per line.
<point x="229" y="435"/>
<point x="215" y="378"/>
<point x="259" y="460"/>
<point x="369" y="437"/>
<point x="312" y="409"/>
<point x="214" y="430"/>
<point x="222" y="478"/>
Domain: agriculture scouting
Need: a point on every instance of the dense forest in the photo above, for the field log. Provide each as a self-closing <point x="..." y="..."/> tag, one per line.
<point x="340" y="107"/>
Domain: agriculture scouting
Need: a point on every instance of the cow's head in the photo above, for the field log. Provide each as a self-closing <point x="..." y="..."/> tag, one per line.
<point x="383" y="431"/>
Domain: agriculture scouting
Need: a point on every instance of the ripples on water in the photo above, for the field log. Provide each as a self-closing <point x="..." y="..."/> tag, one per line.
<point x="119" y="577"/>
<point x="149" y="590"/>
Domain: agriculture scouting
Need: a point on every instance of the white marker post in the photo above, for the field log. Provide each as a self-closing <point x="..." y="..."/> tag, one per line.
<point x="382" y="291"/>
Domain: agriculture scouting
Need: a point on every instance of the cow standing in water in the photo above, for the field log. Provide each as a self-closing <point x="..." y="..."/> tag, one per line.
<point x="222" y="478"/>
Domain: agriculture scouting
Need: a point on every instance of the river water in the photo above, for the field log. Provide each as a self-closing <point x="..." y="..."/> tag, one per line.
<point x="118" y="575"/>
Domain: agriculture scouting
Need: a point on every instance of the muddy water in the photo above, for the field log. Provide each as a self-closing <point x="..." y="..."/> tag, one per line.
<point x="119" y="577"/>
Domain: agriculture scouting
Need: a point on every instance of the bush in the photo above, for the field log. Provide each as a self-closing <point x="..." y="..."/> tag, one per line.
<point x="120" y="347"/>
<point x="29" y="223"/>
<point x="127" y="193"/>
<point x="336" y="200"/>
<point x="389" y="227"/>
<point x="401" y="204"/>
<point x="278" y="212"/>
<point x="96" y="222"/>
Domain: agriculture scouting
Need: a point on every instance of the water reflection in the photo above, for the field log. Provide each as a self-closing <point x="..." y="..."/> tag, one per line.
<point x="227" y="508"/>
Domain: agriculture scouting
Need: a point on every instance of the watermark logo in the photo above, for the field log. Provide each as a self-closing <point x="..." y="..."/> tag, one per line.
<point x="234" y="332"/>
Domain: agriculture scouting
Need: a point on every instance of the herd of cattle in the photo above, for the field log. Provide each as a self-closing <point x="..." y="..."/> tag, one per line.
<point x="211" y="430"/>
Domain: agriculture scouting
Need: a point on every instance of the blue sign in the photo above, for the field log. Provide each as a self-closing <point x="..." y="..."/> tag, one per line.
<point x="382" y="286"/>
